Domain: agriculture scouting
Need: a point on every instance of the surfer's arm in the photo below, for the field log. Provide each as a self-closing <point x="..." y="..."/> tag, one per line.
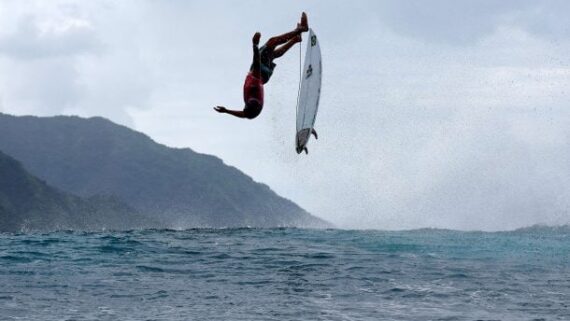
<point x="224" y="110"/>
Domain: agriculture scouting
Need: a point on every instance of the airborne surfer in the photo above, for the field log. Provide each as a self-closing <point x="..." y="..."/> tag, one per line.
<point x="262" y="69"/>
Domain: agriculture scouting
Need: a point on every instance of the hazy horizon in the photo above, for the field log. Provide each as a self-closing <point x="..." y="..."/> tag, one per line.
<point x="440" y="114"/>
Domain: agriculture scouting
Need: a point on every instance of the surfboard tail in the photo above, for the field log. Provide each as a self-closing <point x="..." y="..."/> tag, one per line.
<point x="302" y="139"/>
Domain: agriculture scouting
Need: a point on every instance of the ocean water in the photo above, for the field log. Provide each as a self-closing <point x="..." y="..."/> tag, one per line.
<point x="286" y="274"/>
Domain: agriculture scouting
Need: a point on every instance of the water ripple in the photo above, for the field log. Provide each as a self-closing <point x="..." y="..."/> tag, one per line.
<point x="286" y="274"/>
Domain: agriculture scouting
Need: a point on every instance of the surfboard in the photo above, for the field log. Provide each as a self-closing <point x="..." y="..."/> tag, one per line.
<point x="309" y="93"/>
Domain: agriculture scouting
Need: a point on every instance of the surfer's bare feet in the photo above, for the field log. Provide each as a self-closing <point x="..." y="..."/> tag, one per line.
<point x="256" y="38"/>
<point x="303" y="26"/>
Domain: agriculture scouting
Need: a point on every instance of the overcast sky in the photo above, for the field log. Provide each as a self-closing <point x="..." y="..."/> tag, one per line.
<point x="450" y="114"/>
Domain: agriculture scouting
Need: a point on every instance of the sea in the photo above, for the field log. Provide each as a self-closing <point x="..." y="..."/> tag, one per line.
<point x="286" y="274"/>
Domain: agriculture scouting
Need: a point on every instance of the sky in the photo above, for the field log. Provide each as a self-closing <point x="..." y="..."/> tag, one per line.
<point x="442" y="114"/>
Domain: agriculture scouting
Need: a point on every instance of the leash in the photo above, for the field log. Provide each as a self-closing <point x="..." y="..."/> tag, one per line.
<point x="300" y="79"/>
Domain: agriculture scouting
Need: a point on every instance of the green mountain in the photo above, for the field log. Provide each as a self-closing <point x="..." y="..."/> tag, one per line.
<point x="179" y="187"/>
<point x="29" y="204"/>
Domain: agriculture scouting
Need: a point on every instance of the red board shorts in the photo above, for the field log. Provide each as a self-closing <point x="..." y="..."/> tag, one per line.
<point x="252" y="95"/>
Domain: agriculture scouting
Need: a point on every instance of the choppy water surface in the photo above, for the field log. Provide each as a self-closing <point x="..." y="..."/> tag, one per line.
<point x="286" y="274"/>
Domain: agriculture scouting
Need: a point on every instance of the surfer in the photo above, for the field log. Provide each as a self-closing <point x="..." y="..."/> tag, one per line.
<point x="262" y="69"/>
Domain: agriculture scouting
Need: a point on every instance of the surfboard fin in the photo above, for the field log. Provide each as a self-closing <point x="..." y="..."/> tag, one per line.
<point x="314" y="132"/>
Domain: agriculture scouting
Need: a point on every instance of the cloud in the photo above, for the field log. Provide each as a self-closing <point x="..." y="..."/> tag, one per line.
<point x="63" y="57"/>
<point x="32" y="41"/>
<point x="39" y="60"/>
<point x="467" y="22"/>
<point x="442" y="113"/>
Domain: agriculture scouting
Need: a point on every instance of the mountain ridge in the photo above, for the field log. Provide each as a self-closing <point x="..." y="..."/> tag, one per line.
<point x="30" y="204"/>
<point x="185" y="189"/>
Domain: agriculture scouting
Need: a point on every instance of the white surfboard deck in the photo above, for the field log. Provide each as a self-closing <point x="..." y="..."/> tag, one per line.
<point x="310" y="92"/>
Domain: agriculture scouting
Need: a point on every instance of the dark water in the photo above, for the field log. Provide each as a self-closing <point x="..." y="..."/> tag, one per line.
<point x="286" y="274"/>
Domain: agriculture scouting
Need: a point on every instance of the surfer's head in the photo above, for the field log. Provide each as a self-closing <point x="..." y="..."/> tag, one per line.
<point x="252" y="108"/>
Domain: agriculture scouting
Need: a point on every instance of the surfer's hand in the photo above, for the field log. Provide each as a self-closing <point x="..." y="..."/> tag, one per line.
<point x="256" y="38"/>
<point x="220" y="109"/>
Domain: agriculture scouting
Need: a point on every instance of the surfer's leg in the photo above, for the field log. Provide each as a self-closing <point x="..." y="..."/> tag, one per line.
<point x="278" y="52"/>
<point x="256" y="63"/>
<point x="282" y="39"/>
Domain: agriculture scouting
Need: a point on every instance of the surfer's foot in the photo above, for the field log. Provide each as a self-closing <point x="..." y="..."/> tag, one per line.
<point x="303" y="26"/>
<point x="256" y="38"/>
<point x="306" y="150"/>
